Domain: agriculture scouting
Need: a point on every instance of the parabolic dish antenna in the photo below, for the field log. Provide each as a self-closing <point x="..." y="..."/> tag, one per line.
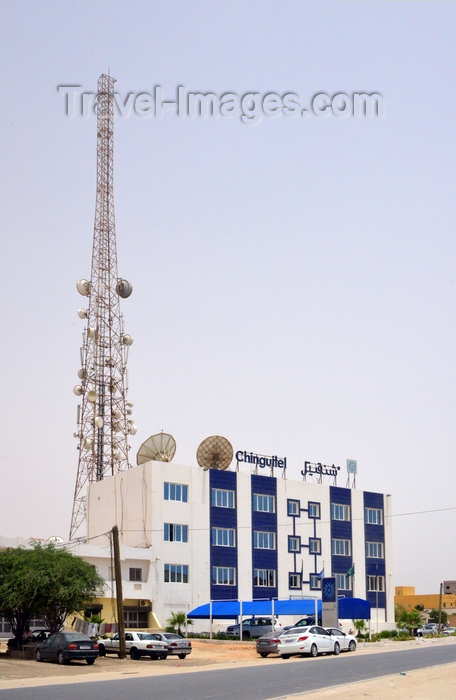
<point x="215" y="452"/>
<point x="161" y="447"/>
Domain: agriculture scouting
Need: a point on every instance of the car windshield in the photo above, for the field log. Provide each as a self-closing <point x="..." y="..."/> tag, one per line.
<point x="295" y="630"/>
<point x="77" y="637"/>
<point x="146" y="635"/>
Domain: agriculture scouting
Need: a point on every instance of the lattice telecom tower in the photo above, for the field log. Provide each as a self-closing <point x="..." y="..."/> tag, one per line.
<point x="104" y="421"/>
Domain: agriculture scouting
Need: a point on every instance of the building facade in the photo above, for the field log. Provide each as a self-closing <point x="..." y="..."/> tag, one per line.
<point x="202" y="535"/>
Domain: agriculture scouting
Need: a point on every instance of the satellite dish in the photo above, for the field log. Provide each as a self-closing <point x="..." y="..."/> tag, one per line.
<point x="77" y="390"/>
<point x="161" y="448"/>
<point x="91" y="396"/>
<point x="83" y="287"/>
<point x="127" y="339"/>
<point x="82" y="313"/>
<point x="124" y="289"/>
<point x="55" y="539"/>
<point x="215" y="452"/>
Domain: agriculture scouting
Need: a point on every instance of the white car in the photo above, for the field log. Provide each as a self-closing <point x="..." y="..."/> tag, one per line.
<point x="307" y="640"/>
<point x="254" y="627"/>
<point x="137" y="644"/>
<point x="347" y="642"/>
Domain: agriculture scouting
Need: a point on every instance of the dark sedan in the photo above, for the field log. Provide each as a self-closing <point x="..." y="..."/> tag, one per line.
<point x="177" y="645"/>
<point x="66" y="646"/>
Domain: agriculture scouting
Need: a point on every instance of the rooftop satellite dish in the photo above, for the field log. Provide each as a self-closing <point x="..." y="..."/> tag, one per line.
<point x="215" y="452"/>
<point x="160" y="447"/>
<point x="55" y="539"/>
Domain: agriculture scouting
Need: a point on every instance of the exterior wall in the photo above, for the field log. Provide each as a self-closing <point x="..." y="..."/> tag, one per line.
<point x="173" y="537"/>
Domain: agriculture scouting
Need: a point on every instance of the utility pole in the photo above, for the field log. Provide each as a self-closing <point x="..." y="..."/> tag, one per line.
<point x="440" y="607"/>
<point x="119" y="593"/>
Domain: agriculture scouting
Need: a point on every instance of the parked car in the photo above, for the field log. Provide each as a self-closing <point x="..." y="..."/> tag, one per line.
<point x="254" y="627"/>
<point x="430" y="629"/>
<point x="38" y="635"/>
<point x="67" y="646"/>
<point x="177" y="645"/>
<point x="137" y="644"/>
<point x="267" y="644"/>
<point x="307" y="640"/>
<point x="347" y="641"/>
<point x="449" y="630"/>
<point x="305" y="622"/>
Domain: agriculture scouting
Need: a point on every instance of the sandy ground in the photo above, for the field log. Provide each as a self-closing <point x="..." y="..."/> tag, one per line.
<point x="435" y="682"/>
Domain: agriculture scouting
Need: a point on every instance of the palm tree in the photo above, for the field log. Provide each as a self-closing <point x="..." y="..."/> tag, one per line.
<point x="178" y="620"/>
<point x="360" y="626"/>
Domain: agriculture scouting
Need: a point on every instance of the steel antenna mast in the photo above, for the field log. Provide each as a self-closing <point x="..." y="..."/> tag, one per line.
<point x="104" y="416"/>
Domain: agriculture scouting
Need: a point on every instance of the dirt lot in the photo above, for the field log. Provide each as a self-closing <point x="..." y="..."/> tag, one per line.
<point x="423" y="684"/>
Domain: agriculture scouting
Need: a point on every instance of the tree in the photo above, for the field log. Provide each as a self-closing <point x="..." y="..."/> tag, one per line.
<point x="360" y="626"/>
<point x="44" y="582"/>
<point x="178" y="620"/>
<point x="407" y="619"/>
<point x="434" y="616"/>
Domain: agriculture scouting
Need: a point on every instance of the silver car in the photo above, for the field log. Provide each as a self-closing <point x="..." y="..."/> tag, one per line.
<point x="177" y="645"/>
<point x="267" y="644"/>
<point x="254" y="627"/>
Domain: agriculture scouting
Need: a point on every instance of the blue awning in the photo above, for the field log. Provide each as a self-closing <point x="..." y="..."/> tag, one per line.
<point x="349" y="608"/>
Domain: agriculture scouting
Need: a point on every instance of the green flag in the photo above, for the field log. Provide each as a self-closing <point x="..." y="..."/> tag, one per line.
<point x="351" y="571"/>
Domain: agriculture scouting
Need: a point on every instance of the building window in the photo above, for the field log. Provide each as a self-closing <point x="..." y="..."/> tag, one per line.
<point x="135" y="574"/>
<point x="313" y="510"/>
<point x="222" y="499"/>
<point x="223" y="537"/>
<point x="314" y="545"/>
<point x="294" y="543"/>
<point x="263" y="503"/>
<point x="294" y="507"/>
<point x="340" y="511"/>
<point x="374" y="516"/>
<point x="135" y="619"/>
<point x="374" y="550"/>
<point x="175" y="533"/>
<point x="176" y="573"/>
<point x="343" y="582"/>
<point x="264" y="577"/>
<point x="315" y="582"/>
<point x="223" y="576"/>
<point x="341" y="547"/>
<point x="264" y="540"/>
<point x="376" y="583"/>
<point x="175" y="492"/>
<point x="294" y="581"/>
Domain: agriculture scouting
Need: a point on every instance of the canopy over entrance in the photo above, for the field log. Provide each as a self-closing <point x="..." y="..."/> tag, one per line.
<point x="349" y="608"/>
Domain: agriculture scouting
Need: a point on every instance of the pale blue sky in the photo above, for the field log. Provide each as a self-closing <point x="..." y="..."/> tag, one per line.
<point x="294" y="281"/>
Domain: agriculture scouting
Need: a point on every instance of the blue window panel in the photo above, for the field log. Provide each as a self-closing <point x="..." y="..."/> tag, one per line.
<point x="225" y="557"/>
<point x="265" y="522"/>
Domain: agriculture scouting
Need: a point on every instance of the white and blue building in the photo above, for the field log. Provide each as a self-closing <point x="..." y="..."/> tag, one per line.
<point x="244" y="533"/>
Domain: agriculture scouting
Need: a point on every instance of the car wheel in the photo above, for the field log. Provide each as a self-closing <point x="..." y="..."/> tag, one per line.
<point x="134" y="654"/>
<point x="90" y="662"/>
<point x="38" y="656"/>
<point x="246" y="635"/>
<point x="182" y="656"/>
<point x="285" y="656"/>
<point x="313" y="650"/>
<point x="336" y="648"/>
<point x="101" y="650"/>
<point x="352" y="646"/>
<point x="263" y="654"/>
<point x="61" y="659"/>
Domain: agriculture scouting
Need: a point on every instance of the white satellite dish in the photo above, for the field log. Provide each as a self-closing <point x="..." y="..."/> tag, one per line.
<point x="160" y="447"/>
<point x="215" y="452"/>
<point x="55" y="539"/>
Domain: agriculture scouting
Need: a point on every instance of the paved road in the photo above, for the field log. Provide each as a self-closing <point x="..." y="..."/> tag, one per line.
<point x="257" y="682"/>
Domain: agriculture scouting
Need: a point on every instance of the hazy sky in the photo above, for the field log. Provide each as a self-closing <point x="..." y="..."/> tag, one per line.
<point x="294" y="279"/>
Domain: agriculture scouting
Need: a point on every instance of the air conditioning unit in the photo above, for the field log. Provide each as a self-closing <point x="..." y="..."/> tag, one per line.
<point x="142" y="603"/>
